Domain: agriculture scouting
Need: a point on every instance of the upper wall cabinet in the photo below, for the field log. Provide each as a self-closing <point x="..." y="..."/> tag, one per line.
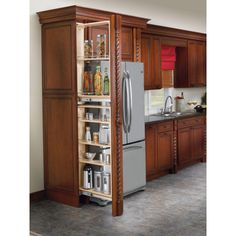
<point x="196" y="63"/>
<point x="190" y="63"/>
<point x="151" y="59"/>
<point x="127" y="47"/>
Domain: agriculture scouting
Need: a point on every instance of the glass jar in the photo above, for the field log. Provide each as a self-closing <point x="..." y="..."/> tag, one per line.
<point x="88" y="48"/>
<point x="88" y="134"/>
<point x="101" y="45"/>
<point x="95" y="137"/>
<point x="98" y="81"/>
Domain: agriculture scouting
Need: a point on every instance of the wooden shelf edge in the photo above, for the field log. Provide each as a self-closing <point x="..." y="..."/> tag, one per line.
<point x="95" y="193"/>
<point x="93" y="162"/>
<point x="94" y="144"/>
<point x="95" y="121"/>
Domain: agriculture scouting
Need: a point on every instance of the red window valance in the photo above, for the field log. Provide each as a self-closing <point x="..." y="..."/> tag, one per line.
<point x="168" y="58"/>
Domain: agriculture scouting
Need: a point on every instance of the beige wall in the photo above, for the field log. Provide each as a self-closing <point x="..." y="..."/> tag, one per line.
<point x="184" y="14"/>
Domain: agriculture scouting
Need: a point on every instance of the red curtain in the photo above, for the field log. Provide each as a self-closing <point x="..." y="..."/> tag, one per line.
<point x="168" y="58"/>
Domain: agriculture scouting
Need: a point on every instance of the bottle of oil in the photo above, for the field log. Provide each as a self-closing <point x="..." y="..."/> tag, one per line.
<point x="98" y="81"/>
<point x="106" y="83"/>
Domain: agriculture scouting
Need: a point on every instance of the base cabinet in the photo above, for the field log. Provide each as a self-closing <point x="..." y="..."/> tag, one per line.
<point x="190" y="139"/>
<point x="159" y="149"/>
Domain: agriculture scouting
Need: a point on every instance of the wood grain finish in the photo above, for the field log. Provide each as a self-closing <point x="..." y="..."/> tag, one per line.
<point x="151" y="160"/>
<point x="58" y="57"/>
<point x="59" y="142"/>
<point x="81" y="14"/>
<point x="150" y="45"/>
<point x="127" y="44"/>
<point x="196" y="63"/>
<point x="159" y="149"/>
<point x="191" y="141"/>
<point x="116" y="96"/>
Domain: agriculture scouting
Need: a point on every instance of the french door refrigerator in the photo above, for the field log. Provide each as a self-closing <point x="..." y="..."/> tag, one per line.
<point x="134" y="168"/>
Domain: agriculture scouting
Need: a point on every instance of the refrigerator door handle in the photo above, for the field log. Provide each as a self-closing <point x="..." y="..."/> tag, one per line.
<point x="125" y="106"/>
<point x="130" y="102"/>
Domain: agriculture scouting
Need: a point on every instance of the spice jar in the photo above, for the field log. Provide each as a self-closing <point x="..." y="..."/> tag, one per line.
<point x="88" y="48"/>
<point x="95" y="137"/>
<point x="101" y="45"/>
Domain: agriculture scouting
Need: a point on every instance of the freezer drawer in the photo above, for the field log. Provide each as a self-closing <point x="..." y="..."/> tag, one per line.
<point x="134" y="169"/>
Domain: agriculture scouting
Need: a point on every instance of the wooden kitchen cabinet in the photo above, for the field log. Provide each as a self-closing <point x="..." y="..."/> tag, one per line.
<point x="190" y="141"/>
<point x="127" y="45"/>
<point x="64" y="122"/>
<point x="150" y="56"/>
<point x="159" y="149"/>
<point x="196" y="63"/>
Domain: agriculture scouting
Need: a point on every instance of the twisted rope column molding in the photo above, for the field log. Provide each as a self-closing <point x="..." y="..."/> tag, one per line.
<point x="138" y="45"/>
<point x="117" y="196"/>
<point x="175" y="148"/>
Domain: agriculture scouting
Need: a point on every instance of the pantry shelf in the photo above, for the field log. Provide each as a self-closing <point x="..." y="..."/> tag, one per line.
<point x="94" y="106"/>
<point x="95" y="193"/>
<point x="106" y="97"/>
<point x="93" y="58"/>
<point x="93" y="144"/>
<point x="93" y="162"/>
<point x="95" y="121"/>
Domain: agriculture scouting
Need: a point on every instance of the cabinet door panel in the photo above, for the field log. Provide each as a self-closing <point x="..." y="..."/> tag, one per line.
<point x="184" y="146"/>
<point x="58" y="61"/>
<point x="164" y="150"/>
<point x="196" y="63"/>
<point x="156" y="62"/>
<point x="197" y="144"/>
<point x="146" y="59"/>
<point x="151" y="58"/>
<point x="151" y="161"/>
<point x="127" y="44"/>
<point x="59" y="141"/>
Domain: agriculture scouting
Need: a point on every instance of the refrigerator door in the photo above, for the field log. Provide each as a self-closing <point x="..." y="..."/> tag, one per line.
<point x="134" y="169"/>
<point x="134" y="101"/>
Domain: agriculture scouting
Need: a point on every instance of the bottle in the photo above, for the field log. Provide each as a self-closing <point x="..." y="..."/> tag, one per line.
<point x="88" y="134"/>
<point x="86" y="80"/>
<point x="98" y="81"/>
<point x="106" y="83"/>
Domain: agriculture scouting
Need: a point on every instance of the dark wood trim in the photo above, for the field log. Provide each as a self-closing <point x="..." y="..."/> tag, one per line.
<point x="116" y="98"/>
<point x="173" y="32"/>
<point x="38" y="196"/>
<point x="81" y="14"/>
<point x="175" y="127"/>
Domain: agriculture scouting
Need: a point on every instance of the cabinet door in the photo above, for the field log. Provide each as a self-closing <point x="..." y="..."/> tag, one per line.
<point x="184" y="146"/>
<point x="197" y="142"/>
<point x="196" y="63"/>
<point x="151" y="161"/>
<point x="127" y="44"/>
<point x="150" y="57"/>
<point x="165" y="151"/>
<point x="156" y="62"/>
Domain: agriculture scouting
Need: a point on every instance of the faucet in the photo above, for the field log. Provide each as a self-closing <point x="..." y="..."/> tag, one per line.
<point x="171" y="105"/>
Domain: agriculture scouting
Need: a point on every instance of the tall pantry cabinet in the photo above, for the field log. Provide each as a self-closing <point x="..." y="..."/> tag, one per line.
<point x="65" y="105"/>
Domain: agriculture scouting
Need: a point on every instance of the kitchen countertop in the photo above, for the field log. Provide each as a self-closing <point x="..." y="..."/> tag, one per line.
<point x="154" y="118"/>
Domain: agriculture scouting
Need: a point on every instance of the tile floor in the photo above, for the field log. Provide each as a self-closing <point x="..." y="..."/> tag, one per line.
<point x="173" y="205"/>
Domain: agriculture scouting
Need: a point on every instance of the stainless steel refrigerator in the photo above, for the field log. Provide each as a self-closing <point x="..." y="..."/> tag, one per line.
<point x="134" y="168"/>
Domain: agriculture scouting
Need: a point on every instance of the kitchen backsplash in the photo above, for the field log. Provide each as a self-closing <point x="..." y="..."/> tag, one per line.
<point x="155" y="99"/>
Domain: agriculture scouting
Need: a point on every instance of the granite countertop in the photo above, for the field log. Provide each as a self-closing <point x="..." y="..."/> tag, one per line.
<point x="154" y="118"/>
